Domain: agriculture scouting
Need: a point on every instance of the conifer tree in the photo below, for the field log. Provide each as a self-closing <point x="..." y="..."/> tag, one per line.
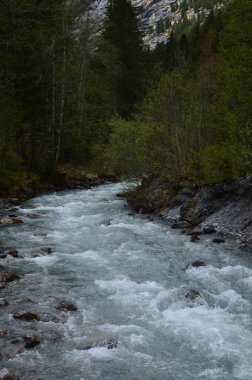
<point x="121" y="30"/>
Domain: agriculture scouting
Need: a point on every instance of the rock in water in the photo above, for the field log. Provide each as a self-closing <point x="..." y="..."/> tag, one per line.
<point x="209" y="229"/>
<point x="66" y="305"/>
<point x="192" y="295"/>
<point x="5" y="374"/>
<point x="3" y="302"/>
<point x="112" y="343"/>
<point x="31" y="341"/>
<point x="26" y="316"/>
<point x="218" y="241"/>
<point x="181" y="224"/>
<point x="196" y="264"/>
<point x="8" y="277"/>
<point x="194" y="239"/>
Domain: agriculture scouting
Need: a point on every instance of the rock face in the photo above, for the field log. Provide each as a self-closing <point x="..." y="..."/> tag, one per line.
<point x="224" y="208"/>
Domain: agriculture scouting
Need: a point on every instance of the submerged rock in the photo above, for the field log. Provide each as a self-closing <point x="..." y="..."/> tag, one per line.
<point x="66" y="305"/>
<point x="26" y="316"/>
<point x="5" y="374"/>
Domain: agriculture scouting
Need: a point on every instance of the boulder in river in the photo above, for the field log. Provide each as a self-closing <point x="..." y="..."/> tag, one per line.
<point x="196" y="264"/>
<point x="66" y="305"/>
<point x="31" y="341"/>
<point x="192" y="295"/>
<point x="8" y="277"/>
<point x="6" y="374"/>
<point x="26" y="316"/>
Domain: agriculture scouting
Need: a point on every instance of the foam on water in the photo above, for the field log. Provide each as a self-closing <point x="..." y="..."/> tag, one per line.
<point x="128" y="277"/>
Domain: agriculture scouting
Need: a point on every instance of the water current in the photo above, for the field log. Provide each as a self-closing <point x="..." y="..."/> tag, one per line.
<point x="128" y="277"/>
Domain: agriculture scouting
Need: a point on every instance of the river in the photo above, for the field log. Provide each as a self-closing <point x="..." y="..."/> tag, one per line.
<point x="128" y="277"/>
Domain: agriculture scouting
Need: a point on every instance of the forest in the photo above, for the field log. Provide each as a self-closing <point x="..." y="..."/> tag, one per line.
<point x="93" y="96"/>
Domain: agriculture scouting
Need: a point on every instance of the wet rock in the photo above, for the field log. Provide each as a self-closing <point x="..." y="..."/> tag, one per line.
<point x="66" y="305"/>
<point x="15" y="254"/>
<point x="209" y="229"/>
<point x="8" y="277"/>
<point x="16" y="221"/>
<point x="4" y="333"/>
<point x="245" y="248"/>
<point x="194" y="238"/>
<point x="196" y="264"/>
<point x="31" y="341"/>
<point x="112" y="343"/>
<point x="26" y="316"/>
<point x="44" y="251"/>
<point x="192" y="295"/>
<point x="218" y="241"/>
<point x="150" y="218"/>
<point x="6" y="374"/>
<point x="196" y="231"/>
<point x="181" y="224"/>
<point x="3" y="302"/>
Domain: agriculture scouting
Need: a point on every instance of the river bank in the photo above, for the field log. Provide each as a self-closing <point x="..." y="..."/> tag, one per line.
<point x="223" y="210"/>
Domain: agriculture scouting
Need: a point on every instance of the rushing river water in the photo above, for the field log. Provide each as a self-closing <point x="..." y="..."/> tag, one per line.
<point x="128" y="278"/>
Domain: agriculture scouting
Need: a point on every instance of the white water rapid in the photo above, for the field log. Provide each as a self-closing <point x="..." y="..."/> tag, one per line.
<point x="127" y="276"/>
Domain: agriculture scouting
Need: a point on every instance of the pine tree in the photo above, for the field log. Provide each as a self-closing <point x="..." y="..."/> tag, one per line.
<point x="121" y="30"/>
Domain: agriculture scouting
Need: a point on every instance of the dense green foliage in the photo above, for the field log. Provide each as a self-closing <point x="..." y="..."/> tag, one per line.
<point x="195" y="123"/>
<point x="56" y="89"/>
<point x="70" y="94"/>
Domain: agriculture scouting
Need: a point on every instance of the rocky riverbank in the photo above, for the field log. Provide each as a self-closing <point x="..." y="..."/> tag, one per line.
<point x="224" y="210"/>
